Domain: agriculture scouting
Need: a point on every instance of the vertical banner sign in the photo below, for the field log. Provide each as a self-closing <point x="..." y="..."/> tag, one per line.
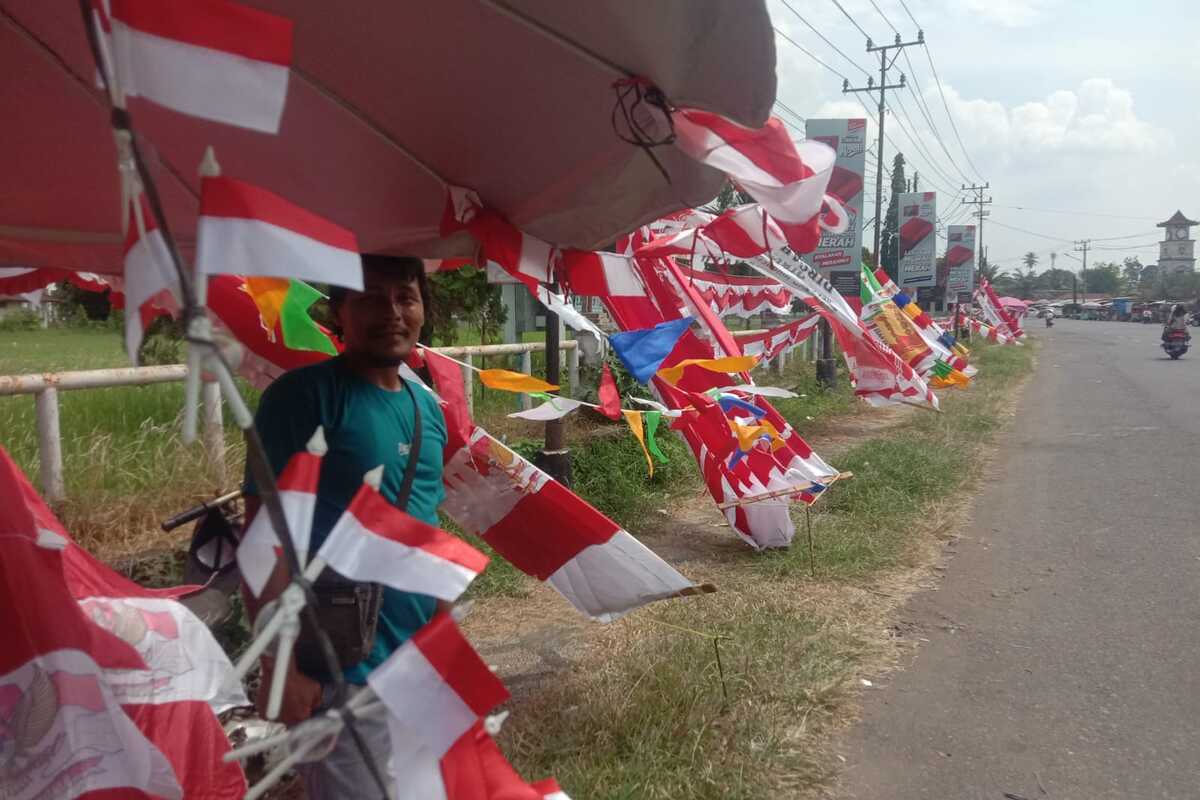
<point x="918" y="212"/>
<point x="960" y="261"/>
<point x="838" y="255"/>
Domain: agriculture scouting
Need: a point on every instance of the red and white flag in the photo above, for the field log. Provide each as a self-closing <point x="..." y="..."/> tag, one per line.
<point x="208" y="58"/>
<point x="156" y="658"/>
<point x="259" y="549"/>
<point x="150" y="280"/>
<point x="246" y="230"/>
<point x="375" y="541"/>
<point x="436" y="685"/>
<point x="525" y="257"/>
<point x="788" y="179"/>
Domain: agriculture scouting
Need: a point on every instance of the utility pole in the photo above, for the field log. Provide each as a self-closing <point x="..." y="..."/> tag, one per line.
<point x="884" y="65"/>
<point x="826" y="365"/>
<point x="1082" y="246"/>
<point x="979" y="202"/>
<point x="916" y="180"/>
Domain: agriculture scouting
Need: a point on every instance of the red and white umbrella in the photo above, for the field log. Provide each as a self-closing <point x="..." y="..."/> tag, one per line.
<point x="386" y="103"/>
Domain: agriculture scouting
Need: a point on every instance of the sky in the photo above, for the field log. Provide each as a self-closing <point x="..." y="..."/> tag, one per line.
<point x="1090" y="107"/>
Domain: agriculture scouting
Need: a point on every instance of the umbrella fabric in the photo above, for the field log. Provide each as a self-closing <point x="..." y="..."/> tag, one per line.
<point x="479" y="95"/>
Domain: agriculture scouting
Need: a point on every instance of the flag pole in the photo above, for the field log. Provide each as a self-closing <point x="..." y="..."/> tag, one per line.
<point x="132" y="166"/>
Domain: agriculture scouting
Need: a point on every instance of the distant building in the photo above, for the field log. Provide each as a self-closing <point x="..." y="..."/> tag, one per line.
<point x="1176" y="252"/>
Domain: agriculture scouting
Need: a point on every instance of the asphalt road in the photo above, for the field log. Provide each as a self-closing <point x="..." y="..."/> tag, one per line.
<point x="1064" y="643"/>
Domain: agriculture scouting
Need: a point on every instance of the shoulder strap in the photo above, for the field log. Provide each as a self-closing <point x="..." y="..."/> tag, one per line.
<point x="414" y="451"/>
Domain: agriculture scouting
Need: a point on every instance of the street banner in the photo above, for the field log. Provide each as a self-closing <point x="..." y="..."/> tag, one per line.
<point x="838" y="254"/>
<point x="960" y="260"/>
<point x="918" y="215"/>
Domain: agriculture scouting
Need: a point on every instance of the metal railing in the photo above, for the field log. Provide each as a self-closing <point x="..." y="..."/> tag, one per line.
<point x="45" y="386"/>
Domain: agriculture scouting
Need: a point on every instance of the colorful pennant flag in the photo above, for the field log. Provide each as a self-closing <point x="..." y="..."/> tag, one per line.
<point x="642" y="351"/>
<point x="212" y="59"/>
<point x="652" y="420"/>
<point x="259" y="549"/>
<point x="376" y="542"/>
<point x="247" y="230"/>
<point x="634" y="419"/>
<point x="610" y="398"/>
<point x="508" y="381"/>
<point x="551" y="409"/>
<point x="285" y="302"/>
<point x="724" y="364"/>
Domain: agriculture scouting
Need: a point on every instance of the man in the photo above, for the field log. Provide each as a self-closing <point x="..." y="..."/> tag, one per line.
<point x="367" y="413"/>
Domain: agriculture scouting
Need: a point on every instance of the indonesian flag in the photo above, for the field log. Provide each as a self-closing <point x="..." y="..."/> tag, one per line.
<point x="208" y="58"/>
<point x="769" y="344"/>
<point x="259" y="549"/>
<point x="436" y="685"/>
<point x="376" y="542"/>
<point x="246" y="230"/>
<point x="525" y="257"/>
<point x="156" y="658"/>
<point x="65" y="727"/>
<point x="19" y="280"/>
<point x="473" y="769"/>
<point x="546" y="531"/>
<point x="788" y="179"/>
<point x="150" y="280"/>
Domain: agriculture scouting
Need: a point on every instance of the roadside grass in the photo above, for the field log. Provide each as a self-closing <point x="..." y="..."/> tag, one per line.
<point x="125" y="467"/>
<point x="643" y="714"/>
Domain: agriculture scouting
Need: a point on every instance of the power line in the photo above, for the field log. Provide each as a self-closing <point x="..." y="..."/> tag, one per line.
<point x="853" y="21"/>
<point x="923" y="107"/>
<point x="836" y="49"/>
<point x="885" y="19"/>
<point x="1060" y="239"/>
<point x="938" y="81"/>
<point x="1077" y="213"/>
<point x="789" y="109"/>
<point x="802" y="49"/>
<point x="916" y="142"/>
<point x="910" y="16"/>
<point x="949" y="116"/>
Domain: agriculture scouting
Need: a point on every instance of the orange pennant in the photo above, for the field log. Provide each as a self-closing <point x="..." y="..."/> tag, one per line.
<point x="508" y="381"/>
<point x="725" y="364"/>
<point x="634" y="418"/>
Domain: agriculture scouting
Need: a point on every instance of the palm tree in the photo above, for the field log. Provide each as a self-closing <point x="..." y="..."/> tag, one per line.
<point x="990" y="272"/>
<point x="1031" y="260"/>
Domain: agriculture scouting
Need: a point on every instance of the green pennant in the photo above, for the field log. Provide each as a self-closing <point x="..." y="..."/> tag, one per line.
<point x="300" y="332"/>
<point x="652" y="419"/>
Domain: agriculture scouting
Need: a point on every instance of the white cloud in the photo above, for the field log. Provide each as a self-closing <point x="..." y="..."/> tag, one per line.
<point x="1097" y="118"/>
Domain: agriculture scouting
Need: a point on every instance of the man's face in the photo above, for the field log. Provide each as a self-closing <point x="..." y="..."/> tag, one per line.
<point x="382" y="321"/>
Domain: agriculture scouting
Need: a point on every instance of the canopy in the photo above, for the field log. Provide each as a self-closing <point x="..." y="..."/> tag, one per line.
<point x="386" y="102"/>
<point x="1013" y="302"/>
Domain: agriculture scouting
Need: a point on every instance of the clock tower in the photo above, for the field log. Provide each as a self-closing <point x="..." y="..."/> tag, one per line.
<point x="1175" y="252"/>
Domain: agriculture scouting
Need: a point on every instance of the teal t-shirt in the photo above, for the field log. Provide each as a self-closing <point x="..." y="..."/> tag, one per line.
<point x="365" y="426"/>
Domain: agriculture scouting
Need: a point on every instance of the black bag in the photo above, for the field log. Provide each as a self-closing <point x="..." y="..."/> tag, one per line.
<point x="347" y="610"/>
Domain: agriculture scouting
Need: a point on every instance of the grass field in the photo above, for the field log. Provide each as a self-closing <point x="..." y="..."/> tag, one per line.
<point x="649" y="712"/>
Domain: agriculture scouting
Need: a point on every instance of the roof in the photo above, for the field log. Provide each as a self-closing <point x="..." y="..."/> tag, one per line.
<point x="1178" y="219"/>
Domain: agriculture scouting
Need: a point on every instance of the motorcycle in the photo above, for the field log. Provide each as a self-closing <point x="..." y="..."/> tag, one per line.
<point x="1175" y="343"/>
<point x="1049" y="320"/>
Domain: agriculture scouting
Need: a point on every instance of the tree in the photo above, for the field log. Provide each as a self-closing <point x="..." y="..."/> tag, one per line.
<point x="1024" y="281"/>
<point x="890" y="241"/>
<point x="1030" y="260"/>
<point x="1055" y="279"/>
<point x="464" y="297"/>
<point x="1132" y="273"/>
<point x="1104" y="278"/>
<point x="990" y="272"/>
<point x="1149" y="283"/>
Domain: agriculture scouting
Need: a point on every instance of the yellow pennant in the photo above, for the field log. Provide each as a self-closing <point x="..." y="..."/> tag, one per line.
<point x="727" y="364"/>
<point x="634" y="418"/>
<point x="508" y="381"/>
<point x="268" y="295"/>
<point x="955" y="378"/>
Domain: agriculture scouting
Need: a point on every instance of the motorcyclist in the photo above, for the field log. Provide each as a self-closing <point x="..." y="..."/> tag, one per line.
<point x="1177" y="321"/>
<point x="1049" y="317"/>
